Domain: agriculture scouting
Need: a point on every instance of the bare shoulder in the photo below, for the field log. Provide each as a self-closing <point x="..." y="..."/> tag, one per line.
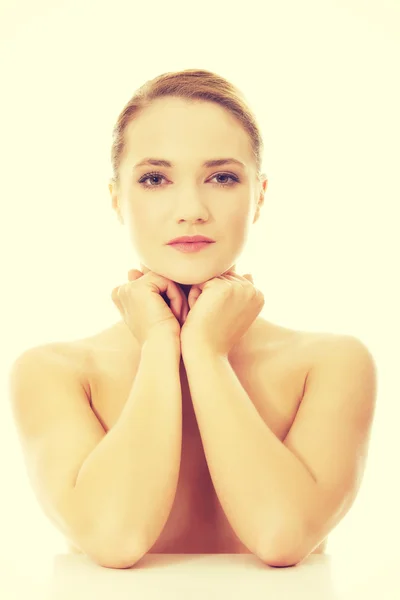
<point x="323" y="344"/>
<point x="71" y="357"/>
<point x="87" y="355"/>
<point x="83" y="350"/>
<point x="309" y="347"/>
<point x="278" y="339"/>
<point x="75" y="356"/>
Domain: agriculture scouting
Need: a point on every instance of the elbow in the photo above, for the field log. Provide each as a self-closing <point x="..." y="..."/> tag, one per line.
<point x="115" y="553"/>
<point x="280" y="559"/>
<point x="115" y="560"/>
<point x="283" y="549"/>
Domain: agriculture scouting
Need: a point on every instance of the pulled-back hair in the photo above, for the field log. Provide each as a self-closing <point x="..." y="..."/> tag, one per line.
<point x="193" y="85"/>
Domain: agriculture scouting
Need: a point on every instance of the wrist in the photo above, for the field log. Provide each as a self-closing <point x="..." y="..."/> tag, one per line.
<point x="163" y="336"/>
<point x="193" y="346"/>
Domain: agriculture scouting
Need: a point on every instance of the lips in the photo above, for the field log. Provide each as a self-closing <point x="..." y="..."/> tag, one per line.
<point x="190" y="246"/>
<point x="186" y="242"/>
<point x="191" y="239"/>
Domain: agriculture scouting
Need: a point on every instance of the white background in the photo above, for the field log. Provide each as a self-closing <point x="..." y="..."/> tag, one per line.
<point x="323" y="79"/>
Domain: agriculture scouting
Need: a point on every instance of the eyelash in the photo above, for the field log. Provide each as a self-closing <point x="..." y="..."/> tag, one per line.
<point x="156" y="173"/>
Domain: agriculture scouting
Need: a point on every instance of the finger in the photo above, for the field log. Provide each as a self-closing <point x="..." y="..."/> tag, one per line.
<point x="249" y="277"/>
<point x="193" y="295"/>
<point x="185" y="313"/>
<point x="175" y="297"/>
<point x="114" y="293"/>
<point x="169" y="291"/>
<point x="134" y="274"/>
<point x="115" y="299"/>
<point x="236" y="277"/>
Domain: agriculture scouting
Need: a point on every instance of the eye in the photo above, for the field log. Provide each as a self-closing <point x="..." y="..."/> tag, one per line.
<point x="234" y="179"/>
<point x="151" y="175"/>
<point x="155" y="174"/>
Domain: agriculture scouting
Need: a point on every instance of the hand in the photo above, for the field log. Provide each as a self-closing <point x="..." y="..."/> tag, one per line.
<point x="221" y="311"/>
<point x="150" y="303"/>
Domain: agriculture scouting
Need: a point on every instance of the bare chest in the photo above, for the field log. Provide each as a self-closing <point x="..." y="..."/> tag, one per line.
<point x="273" y="377"/>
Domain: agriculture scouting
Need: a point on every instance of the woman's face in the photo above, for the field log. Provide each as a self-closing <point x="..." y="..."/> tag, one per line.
<point x="185" y="199"/>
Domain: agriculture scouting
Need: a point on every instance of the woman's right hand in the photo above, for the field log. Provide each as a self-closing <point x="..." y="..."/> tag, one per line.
<point x="143" y="308"/>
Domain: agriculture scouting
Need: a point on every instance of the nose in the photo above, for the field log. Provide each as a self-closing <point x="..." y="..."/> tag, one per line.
<point x="191" y="209"/>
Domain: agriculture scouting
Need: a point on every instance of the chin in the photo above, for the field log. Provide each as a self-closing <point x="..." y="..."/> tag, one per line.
<point x="185" y="276"/>
<point x="190" y="281"/>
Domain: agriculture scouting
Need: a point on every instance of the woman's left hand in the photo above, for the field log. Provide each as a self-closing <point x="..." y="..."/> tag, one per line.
<point x="221" y="311"/>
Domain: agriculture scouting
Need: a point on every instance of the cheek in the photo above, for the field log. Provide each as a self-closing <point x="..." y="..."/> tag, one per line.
<point x="238" y="223"/>
<point x="239" y="212"/>
<point x="141" y="228"/>
<point x="237" y="228"/>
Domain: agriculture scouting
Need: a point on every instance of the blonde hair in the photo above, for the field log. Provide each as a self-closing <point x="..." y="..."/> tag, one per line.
<point x="191" y="84"/>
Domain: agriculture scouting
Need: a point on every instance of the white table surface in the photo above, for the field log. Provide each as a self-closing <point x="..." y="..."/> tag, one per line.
<point x="195" y="576"/>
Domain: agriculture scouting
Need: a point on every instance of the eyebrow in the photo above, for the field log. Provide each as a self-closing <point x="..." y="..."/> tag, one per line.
<point x="216" y="162"/>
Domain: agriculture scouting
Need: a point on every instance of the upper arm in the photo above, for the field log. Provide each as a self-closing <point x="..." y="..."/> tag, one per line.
<point x="331" y="431"/>
<point x="57" y="430"/>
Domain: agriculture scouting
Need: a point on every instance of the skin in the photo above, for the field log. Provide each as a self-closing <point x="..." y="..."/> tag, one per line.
<point x="188" y="200"/>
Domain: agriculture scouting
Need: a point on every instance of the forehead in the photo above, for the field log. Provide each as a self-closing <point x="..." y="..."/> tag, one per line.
<point x="203" y="129"/>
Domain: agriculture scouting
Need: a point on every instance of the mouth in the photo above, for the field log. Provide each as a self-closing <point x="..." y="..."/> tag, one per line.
<point x="190" y="239"/>
<point x="190" y="246"/>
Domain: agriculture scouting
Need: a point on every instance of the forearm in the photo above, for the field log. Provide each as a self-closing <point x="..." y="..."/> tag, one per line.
<point x="256" y="477"/>
<point x="127" y="485"/>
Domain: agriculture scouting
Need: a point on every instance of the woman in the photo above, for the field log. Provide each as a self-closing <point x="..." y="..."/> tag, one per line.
<point x="187" y="429"/>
